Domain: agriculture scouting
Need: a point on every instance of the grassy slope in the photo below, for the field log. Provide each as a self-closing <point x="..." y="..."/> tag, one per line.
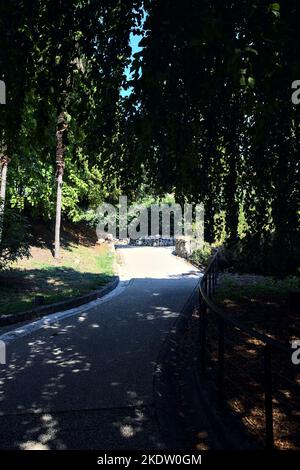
<point x="83" y="267"/>
<point x="261" y="303"/>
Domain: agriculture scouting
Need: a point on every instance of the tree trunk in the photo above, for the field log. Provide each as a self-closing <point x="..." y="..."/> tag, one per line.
<point x="232" y="208"/>
<point x="4" y="166"/>
<point x="60" y="165"/>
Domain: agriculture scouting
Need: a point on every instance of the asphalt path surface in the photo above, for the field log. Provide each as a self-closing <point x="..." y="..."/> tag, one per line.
<point x="83" y="379"/>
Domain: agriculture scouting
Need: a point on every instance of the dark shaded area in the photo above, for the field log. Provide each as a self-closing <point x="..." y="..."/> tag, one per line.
<point x="244" y="386"/>
<point x="248" y="374"/>
<point x="42" y="235"/>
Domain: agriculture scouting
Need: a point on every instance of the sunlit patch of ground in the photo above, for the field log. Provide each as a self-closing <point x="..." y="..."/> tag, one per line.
<point x="83" y="267"/>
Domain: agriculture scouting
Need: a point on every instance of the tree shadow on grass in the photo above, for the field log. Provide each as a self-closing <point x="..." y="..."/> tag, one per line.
<point x="42" y="235"/>
<point x="20" y="287"/>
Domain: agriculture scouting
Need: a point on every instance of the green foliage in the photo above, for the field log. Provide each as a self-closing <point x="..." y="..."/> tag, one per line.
<point x="238" y="289"/>
<point x="210" y="117"/>
<point x="14" y="241"/>
<point x="202" y="256"/>
<point x="52" y="58"/>
<point x="264" y="255"/>
<point x="214" y="120"/>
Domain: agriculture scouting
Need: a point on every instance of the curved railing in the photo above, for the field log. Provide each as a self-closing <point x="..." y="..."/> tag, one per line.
<point x="223" y="325"/>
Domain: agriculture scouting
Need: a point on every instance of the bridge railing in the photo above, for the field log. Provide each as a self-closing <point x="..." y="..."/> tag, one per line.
<point x="264" y="373"/>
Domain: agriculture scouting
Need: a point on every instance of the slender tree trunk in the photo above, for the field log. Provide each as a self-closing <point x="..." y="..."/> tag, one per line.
<point x="4" y="167"/>
<point x="231" y="184"/>
<point x="60" y="165"/>
<point x="232" y="209"/>
<point x="59" y="179"/>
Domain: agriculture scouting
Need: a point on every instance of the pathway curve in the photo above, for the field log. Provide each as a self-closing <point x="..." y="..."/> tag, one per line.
<point x="85" y="380"/>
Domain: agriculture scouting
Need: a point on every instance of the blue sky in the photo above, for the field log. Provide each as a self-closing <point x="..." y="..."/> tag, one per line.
<point x="134" y="41"/>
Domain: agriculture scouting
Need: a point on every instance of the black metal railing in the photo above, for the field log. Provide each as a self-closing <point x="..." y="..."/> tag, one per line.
<point x="213" y="359"/>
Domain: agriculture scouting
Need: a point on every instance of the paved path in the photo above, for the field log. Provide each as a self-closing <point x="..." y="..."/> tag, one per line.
<point x="85" y="381"/>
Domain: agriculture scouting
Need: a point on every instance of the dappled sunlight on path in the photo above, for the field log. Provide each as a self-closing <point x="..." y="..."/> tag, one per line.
<point x="86" y="381"/>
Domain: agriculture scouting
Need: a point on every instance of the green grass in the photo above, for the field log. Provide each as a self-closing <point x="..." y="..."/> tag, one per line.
<point x="235" y="289"/>
<point x="262" y="303"/>
<point x="81" y="270"/>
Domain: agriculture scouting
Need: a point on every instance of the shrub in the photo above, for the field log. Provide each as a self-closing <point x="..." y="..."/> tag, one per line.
<point x="264" y="255"/>
<point x="14" y="241"/>
<point x="202" y="256"/>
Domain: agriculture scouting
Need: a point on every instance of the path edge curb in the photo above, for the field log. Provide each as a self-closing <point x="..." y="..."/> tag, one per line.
<point x="38" y="312"/>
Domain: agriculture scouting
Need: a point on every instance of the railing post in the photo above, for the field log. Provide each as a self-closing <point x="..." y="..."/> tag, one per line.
<point x="216" y="274"/>
<point x="268" y="397"/>
<point x="203" y="327"/>
<point x="221" y="362"/>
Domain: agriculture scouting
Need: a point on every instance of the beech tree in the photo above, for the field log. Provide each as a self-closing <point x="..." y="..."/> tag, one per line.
<point x="80" y="52"/>
<point x="15" y="72"/>
<point x="213" y="118"/>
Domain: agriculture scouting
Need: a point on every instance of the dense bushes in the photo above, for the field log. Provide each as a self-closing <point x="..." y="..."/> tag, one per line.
<point x="266" y="256"/>
<point x="14" y="241"/>
<point x="215" y="121"/>
<point x="202" y="256"/>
